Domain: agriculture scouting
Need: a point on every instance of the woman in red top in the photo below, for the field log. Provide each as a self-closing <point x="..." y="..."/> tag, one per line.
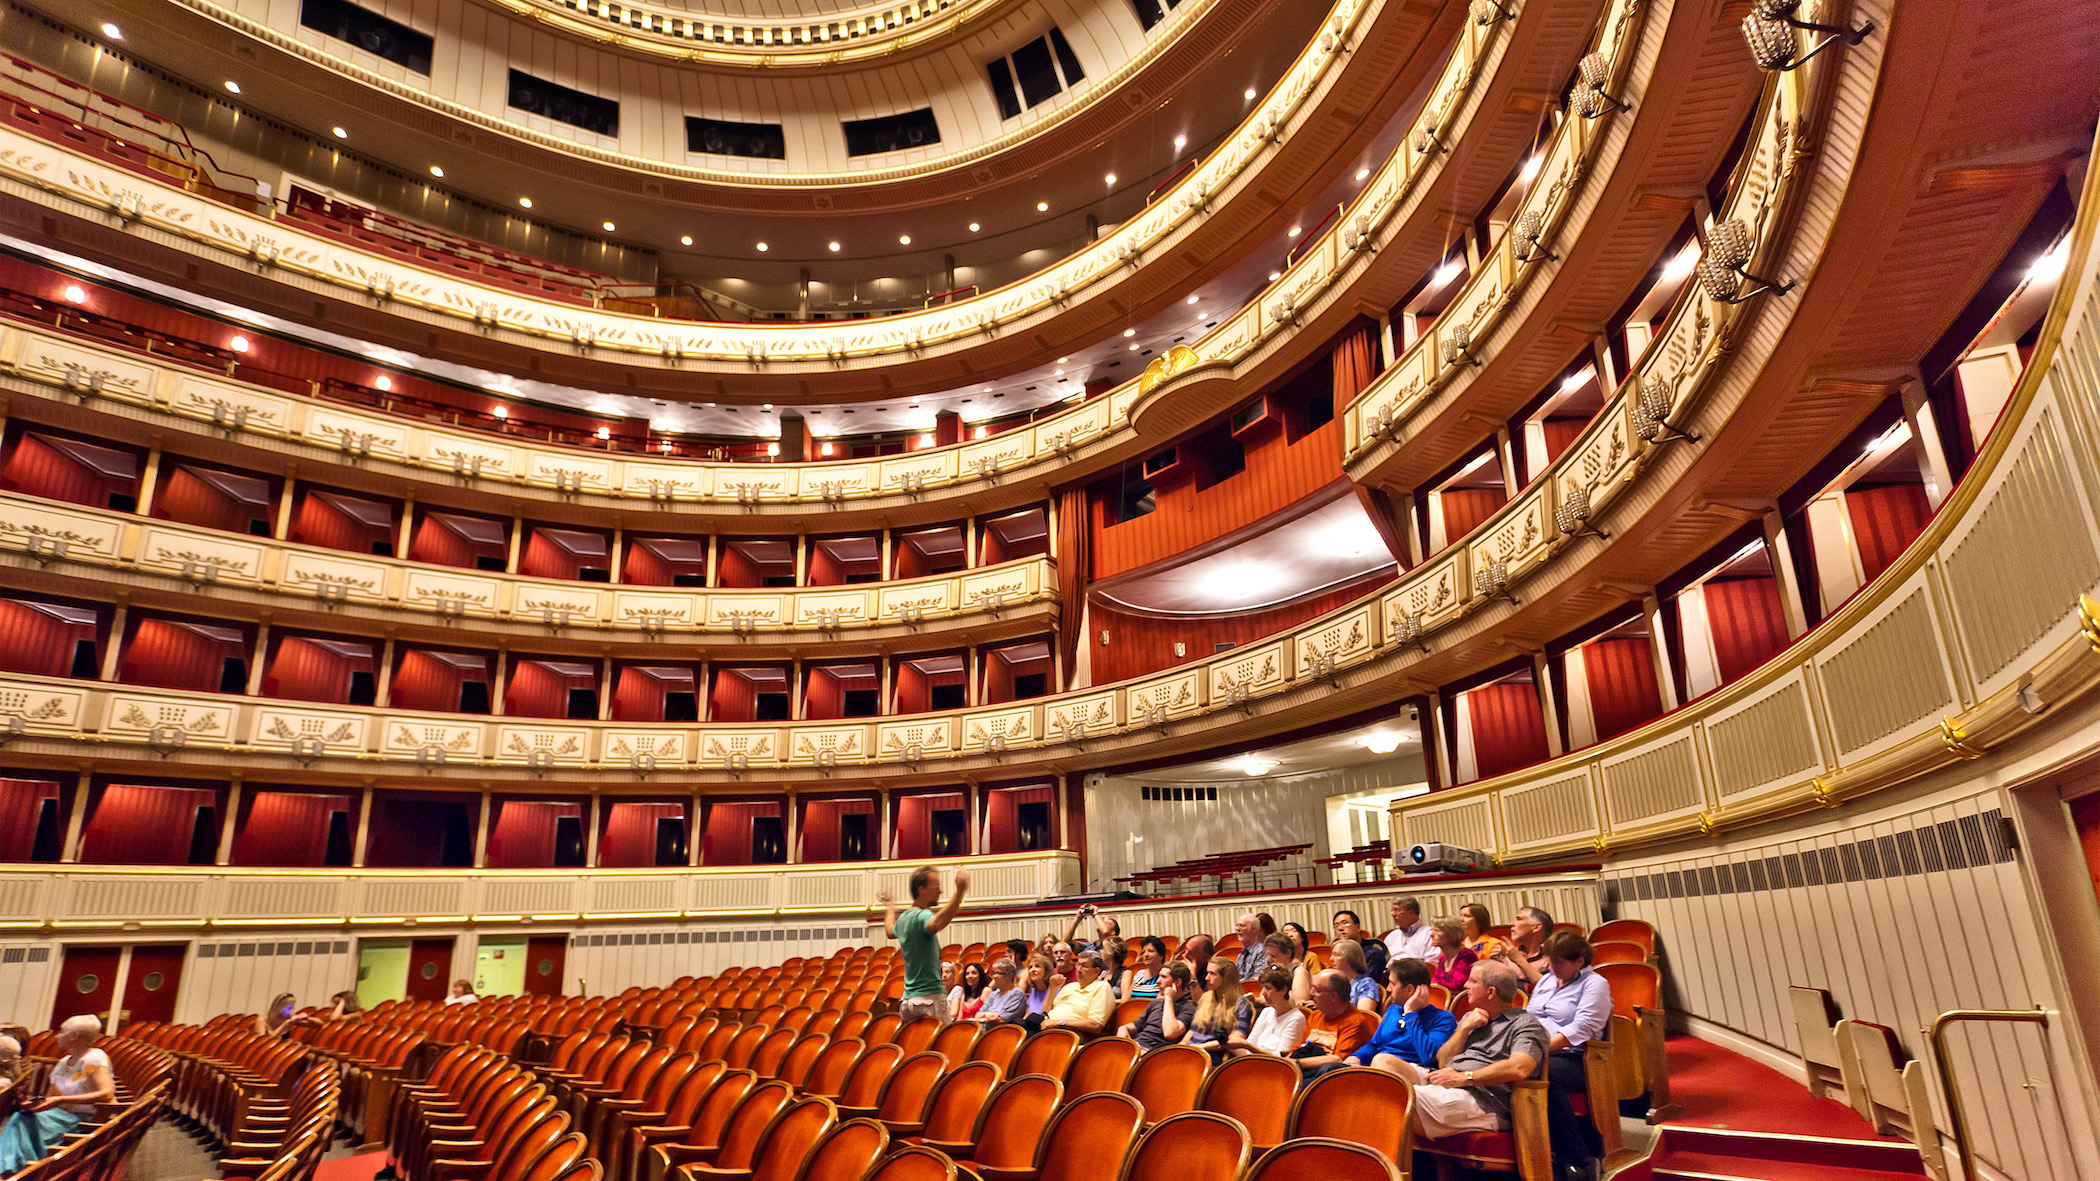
<point x="1454" y="959"/>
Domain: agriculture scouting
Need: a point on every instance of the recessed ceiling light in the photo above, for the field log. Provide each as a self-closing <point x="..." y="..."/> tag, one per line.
<point x="341" y="132"/>
<point x="834" y="248"/>
<point x="238" y="344"/>
<point x="1363" y="174"/>
<point x="1447" y="272"/>
<point x="772" y="449"/>
<point x="1059" y="373"/>
<point x="904" y="239"/>
<point x="232" y="87"/>
<point x="685" y="239"/>
<point x="605" y="432"/>
<point x="112" y="32"/>
<point x="1381" y="742"/>
<point x="1042" y="206"/>
<point x="1110" y="178"/>
<point x="1194" y="298"/>
<point x="382" y="383"/>
<point x="974" y="227"/>
<point x="1133" y="346"/>
<point x="1250" y="94"/>
<point x="1531" y="168"/>
<point x="766" y="406"/>
<point x="436" y="171"/>
<point x="76" y="294"/>
<point x="762" y="247"/>
<point x="524" y="202"/>
<point x="609" y="227"/>
<point x="501" y="412"/>
<point x="1064" y="360"/>
<point x="1130" y="332"/>
<point x="1181" y="141"/>
<point x="1275" y="275"/>
<point x="1295" y="231"/>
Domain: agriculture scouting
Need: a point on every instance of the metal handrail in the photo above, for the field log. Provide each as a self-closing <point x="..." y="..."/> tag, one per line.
<point x="1948" y="1087"/>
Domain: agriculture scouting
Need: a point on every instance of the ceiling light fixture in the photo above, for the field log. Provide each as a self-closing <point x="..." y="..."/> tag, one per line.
<point x="1295" y="231"/>
<point x="1110" y="178"/>
<point x="904" y="239"/>
<point x="1530" y="171"/>
<point x="772" y="449"/>
<point x="1575" y="381"/>
<point x="925" y="440"/>
<point x="1042" y="206"/>
<point x="687" y="240"/>
<point x="1381" y="742"/>
<point x="1275" y="275"/>
<point x="834" y="248"/>
<point x="605" y="432"/>
<point x="524" y="202"/>
<point x="238" y="344"/>
<point x="1685" y="263"/>
<point x="1257" y="766"/>
<point x="609" y="227"/>
<point x="1250" y="94"/>
<point x="1193" y="298"/>
<point x="382" y="383"/>
<point x="501" y="412"/>
<point x="434" y="169"/>
<point x="762" y="247"/>
<point x="341" y="132"/>
<point x="2050" y="265"/>
<point x="112" y="32"/>
<point x="1128" y="332"/>
<point x="1449" y="271"/>
<point x="232" y="87"/>
<point x="1181" y="141"/>
<point x="767" y="406"/>
<point x="1133" y="346"/>
<point x="1064" y="360"/>
<point x="1363" y="174"/>
<point x="824" y="449"/>
<point x="76" y="294"/>
<point x="974" y="227"/>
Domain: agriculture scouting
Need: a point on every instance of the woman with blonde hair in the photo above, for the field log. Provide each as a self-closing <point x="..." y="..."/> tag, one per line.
<point x="279" y="1019"/>
<point x="80" y="1079"/>
<point x="1455" y="960"/>
<point x="1347" y="957"/>
<point x="1223" y="1009"/>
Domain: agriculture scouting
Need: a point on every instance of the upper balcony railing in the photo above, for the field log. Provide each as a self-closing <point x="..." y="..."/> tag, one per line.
<point x="869" y="33"/>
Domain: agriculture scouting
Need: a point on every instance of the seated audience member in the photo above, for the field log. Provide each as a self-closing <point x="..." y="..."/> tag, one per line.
<point x="1280" y="1026"/>
<point x="1004" y="1001"/>
<point x="343" y="1004"/>
<point x="1573" y="1003"/>
<point x="1454" y="963"/>
<point x="1085" y="1006"/>
<point x="1101" y="929"/>
<point x="1039" y="988"/>
<point x="462" y="993"/>
<point x="1413" y="1029"/>
<point x="1409" y="938"/>
<point x="1017" y="950"/>
<point x="972" y="986"/>
<point x="1114" y="953"/>
<point x="951" y="986"/>
<point x="1061" y="960"/>
<point x="1281" y="955"/>
<point x="10" y="1061"/>
<point x="1335" y="1029"/>
<point x="1347" y="958"/>
<point x="1301" y="947"/>
<point x="1493" y="1047"/>
<point x="79" y="1079"/>
<point x="1346" y="926"/>
<point x="1142" y="982"/>
<point x="1223" y="1010"/>
<point x="1169" y="1015"/>
<point x="1478" y="940"/>
<point x="1252" y="959"/>
<point x="1525" y="949"/>
<point x="1195" y="951"/>
<point x="281" y="1017"/>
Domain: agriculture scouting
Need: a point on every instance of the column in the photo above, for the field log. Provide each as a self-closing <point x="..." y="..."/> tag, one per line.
<point x="1386" y="351"/>
<point x="496" y="683"/>
<point x="226" y="823"/>
<point x="973" y="679"/>
<point x="590" y="834"/>
<point x="1607" y="370"/>
<point x="970" y="561"/>
<point x="148" y="481"/>
<point x="382" y="692"/>
<point x="1925" y="436"/>
<point x="76" y="819"/>
<point x="882" y="818"/>
<point x="1412" y="528"/>
<point x="284" y="505"/>
<point x="262" y="657"/>
<point x="1511" y="484"/>
<point x="886" y="574"/>
<point x="364" y="828"/>
<point x="1781" y="552"/>
<point x="971" y="837"/>
<point x="714" y="574"/>
<point x="801" y="559"/>
<point x="115" y="646"/>
<point x="517" y="545"/>
<point x="1549" y="708"/>
<point x="481" y="831"/>
<point x="408" y="525"/>
<point x="693" y="830"/>
<point x="796" y="697"/>
<point x="794" y="830"/>
<point x="1659" y="642"/>
<point x="1438" y="739"/>
<point x="619" y="549"/>
<point x="605" y="691"/>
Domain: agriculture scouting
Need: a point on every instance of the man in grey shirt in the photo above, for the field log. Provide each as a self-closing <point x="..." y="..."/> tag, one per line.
<point x="1495" y="1046"/>
<point x="1005" y="1001"/>
<point x="1252" y="958"/>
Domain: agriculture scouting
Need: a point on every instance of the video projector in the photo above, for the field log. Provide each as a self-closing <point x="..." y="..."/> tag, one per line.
<point x="1438" y="858"/>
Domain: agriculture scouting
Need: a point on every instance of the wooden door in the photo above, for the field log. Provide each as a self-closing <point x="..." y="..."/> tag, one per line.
<point x="429" y="969"/>
<point x="87" y="983"/>
<point x="151" y="983"/>
<point x="546" y="958"/>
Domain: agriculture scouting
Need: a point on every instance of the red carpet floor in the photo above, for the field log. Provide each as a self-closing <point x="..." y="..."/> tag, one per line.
<point x="350" y="1168"/>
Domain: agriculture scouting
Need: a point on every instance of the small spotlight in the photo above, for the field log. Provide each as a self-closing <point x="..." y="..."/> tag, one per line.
<point x="501" y="412"/>
<point x="382" y="383"/>
<point x="1133" y="346"/>
<point x="112" y="32"/>
<point x="1275" y="275"/>
<point x="834" y="248"/>
<point x="762" y="247"/>
<point x="772" y="449"/>
<point x="1110" y="178"/>
<point x="1446" y="273"/>
<point x="434" y="169"/>
<point x="767" y="406"/>
<point x="904" y="239"/>
<point x="609" y="227"/>
<point x="1295" y="231"/>
<point x="1064" y="360"/>
<point x="1181" y="141"/>
<point x="1363" y="174"/>
<point x="1250" y="94"/>
<point x="341" y="132"/>
<point x="1193" y="298"/>
<point x="1042" y="206"/>
<point x="232" y="87"/>
<point x="1531" y="168"/>
<point x="685" y="239"/>
<point x="524" y="202"/>
<point x="605" y="432"/>
<point x="1130" y="332"/>
<point x="238" y="344"/>
<point x="76" y="294"/>
<point x="824" y="449"/>
<point x="974" y="227"/>
<point x="925" y="440"/>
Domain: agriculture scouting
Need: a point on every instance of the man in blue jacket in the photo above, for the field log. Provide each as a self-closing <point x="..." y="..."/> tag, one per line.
<point x="1413" y="1030"/>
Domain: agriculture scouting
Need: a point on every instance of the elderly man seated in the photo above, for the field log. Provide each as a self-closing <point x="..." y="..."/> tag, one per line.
<point x="1573" y="1004"/>
<point x="1335" y="1030"/>
<point x="1168" y="1017"/>
<point x="1413" y="1029"/>
<point x="1085" y="1006"/>
<point x="1493" y="1047"/>
<point x="79" y="1079"/>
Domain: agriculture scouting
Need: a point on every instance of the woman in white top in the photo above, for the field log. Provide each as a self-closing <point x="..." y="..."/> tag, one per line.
<point x="80" y="1080"/>
<point x="1280" y="1027"/>
<point x="462" y="993"/>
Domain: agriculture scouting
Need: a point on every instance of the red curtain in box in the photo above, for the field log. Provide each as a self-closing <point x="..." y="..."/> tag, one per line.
<point x="170" y="655"/>
<point x="1560" y="434"/>
<point x="1747" y="622"/>
<point x="1355" y="364"/>
<point x="434" y="540"/>
<point x="138" y="825"/>
<point x="643" y="567"/>
<point x="821" y="820"/>
<point x="286" y="828"/>
<point x="734" y="699"/>
<point x="21" y="803"/>
<point x="521" y="833"/>
<point x="197" y="497"/>
<point x="1885" y="519"/>
<point x="62" y="469"/>
<point x="35" y="640"/>
<point x="1623" y="690"/>
<point x="638" y="693"/>
<point x="629" y="841"/>
<point x="1075" y="819"/>
<point x="1002" y="812"/>
<point x="1509" y="730"/>
<point x="540" y="688"/>
<point x="915" y="688"/>
<point x="1074" y="567"/>
<point x="1466" y="507"/>
<point x="736" y="570"/>
<point x="915" y="822"/>
<point x="822" y="697"/>
<point x="423" y="681"/>
<point x="410" y="833"/>
<point x="306" y="670"/>
<point x="728" y="839"/>
<point x="320" y="520"/>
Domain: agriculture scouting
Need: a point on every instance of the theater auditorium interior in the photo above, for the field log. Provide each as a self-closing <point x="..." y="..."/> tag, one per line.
<point x="1049" y="590"/>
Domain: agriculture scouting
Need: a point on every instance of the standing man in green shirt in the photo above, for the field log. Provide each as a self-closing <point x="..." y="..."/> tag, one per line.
<point x="915" y="930"/>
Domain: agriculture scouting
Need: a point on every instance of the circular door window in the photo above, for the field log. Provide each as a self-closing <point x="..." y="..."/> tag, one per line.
<point x="545" y="967"/>
<point x="430" y="971"/>
<point x="153" y="981"/>
<point x="88" y="982"/>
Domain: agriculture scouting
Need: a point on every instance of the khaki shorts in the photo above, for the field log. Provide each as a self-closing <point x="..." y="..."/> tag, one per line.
<point x="935" y="1006"/>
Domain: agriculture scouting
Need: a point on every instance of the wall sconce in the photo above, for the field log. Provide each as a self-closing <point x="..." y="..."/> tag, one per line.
<point x="1180" y="649"/>
<point x="1726" y="264"/>
<point x="1104" y="637"/>
<point x="1769" y="30"/>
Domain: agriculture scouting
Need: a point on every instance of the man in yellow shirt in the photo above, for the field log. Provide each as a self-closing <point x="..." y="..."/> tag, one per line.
<point x="1085" y="1007"/>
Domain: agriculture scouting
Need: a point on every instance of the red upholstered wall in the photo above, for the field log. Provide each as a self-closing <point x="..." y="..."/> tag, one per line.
<point x="1623" y="690"/>
<point x="733" y="698"/>
<point x="166" y="655"/>
<point x="820" y="827"/>
<point x="536" y="691"/>
<point x="1509" y="729"/>
<point x="1139" y="644"/>
<point x="728" y="839"/>
<point x="1279" y="473"/>
<point x="435" y="542"/>
<point x="425" y="682"/>
<point x="629" y="840"/>
<point x="286" y="828"/>
<point x="521" y="833"/>
<point x="1466" y="507"/>
<point x="137" y="825"/>
<point x="1748" y="623"/>
<point x="915" y="821"/>
<point x="39" y="469"/>
<point x="1002" y="827"/>
<point x="1885" y="518"/>
<point x="409" y="832"/>
<point x="822" y="698"/>
<point x="21" y="801"/>
<point x="187" y="498"/>
<point x="317" y="522"/>
<point x="639" y="697"/>
<point x="35" y="642"/>
<point x="301" y="670"/>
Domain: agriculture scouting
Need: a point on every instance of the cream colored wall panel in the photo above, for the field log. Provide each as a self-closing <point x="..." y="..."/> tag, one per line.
<point x="917" y="599"/>
<point x="826" y="609"/>
<point x="831" y="890"/>
<point x="199" y="554"/>
<point x="1251" y="671"/>
<point x="744" y="746"/>
<point x="1655" y="782"/>
<point x="993" y="730"/>
<point x="1889" y="679"/>
<point x="360" y="434"/>
<point x="28" y="979"/>
<point x="1440" y="590"/>
<point x="663" y="609"/>
<point x="282" y="897"/>
<point x="528" y="896"/>
<point x="1550" y="813"/>
<point x="36" y="527"/>
<point x="732" y="892"/>
<point x="608" y="896"/>
<point x="438" y="590"/>
<point x="987" y="458"/>
<point x="24" y="897"/>
<point x="994" y="586"/>
<point x="1074" y="717"/>
<point x="1345" y="639"/>
<point x="1764" y="742"/>
<point x="312" y="570"/>
<point x="415" y="897"/>
<point x="569" y="470"/>
<point x="416" y="737"/>
<point x="44" y="709"/>
<point x="244" y="975"/>
<point x="1468" y="823"/>
<point x="524" y="742"/>
<point x="468" y="454"/>
<point x="747" y="610"/>
<point x="2033" y="519"/>
<point x="173" y="719"/>
<point x="1174" y="695"/>
<point x="134" y="897"/>
<point x="557" y="601"/>
<point x="910" y="741"/>
<point x="828" y="745"/>
<point x="624" y="746"/>
<point x="666" y="480"/>
<point x="82" y="368"/>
